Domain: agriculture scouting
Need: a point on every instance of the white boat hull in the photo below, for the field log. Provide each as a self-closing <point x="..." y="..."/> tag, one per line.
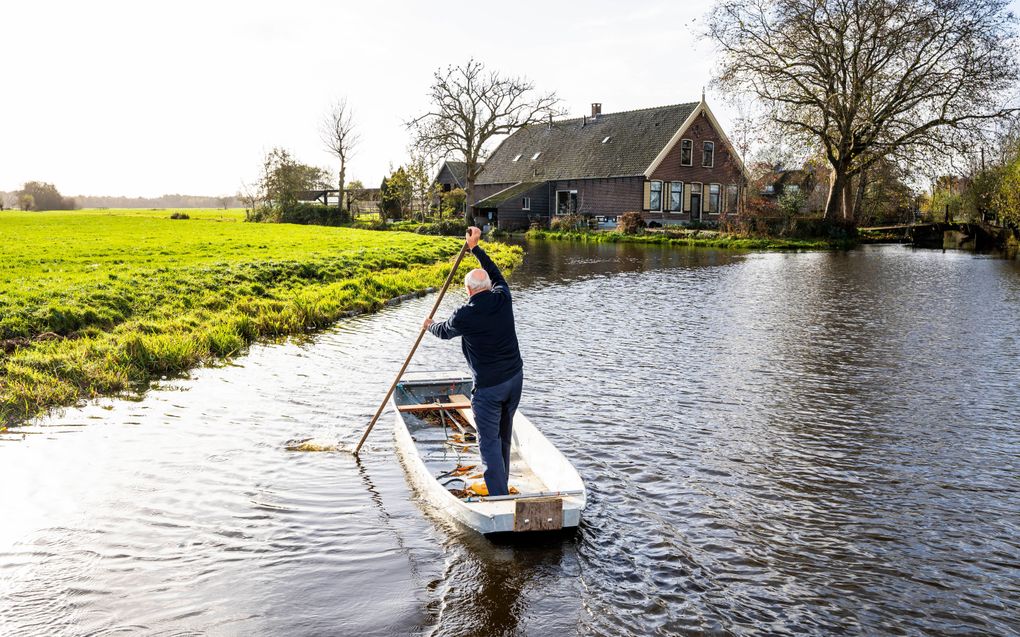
<point x="537" y="465"/>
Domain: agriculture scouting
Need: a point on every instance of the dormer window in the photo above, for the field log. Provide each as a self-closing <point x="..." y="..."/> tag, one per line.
<point x="535" y="156"/>
<point x="517" y="157"/>
<point x="606" y="140"/>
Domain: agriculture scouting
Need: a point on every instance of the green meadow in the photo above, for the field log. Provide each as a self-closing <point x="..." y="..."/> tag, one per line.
<point x="101" y="302"/>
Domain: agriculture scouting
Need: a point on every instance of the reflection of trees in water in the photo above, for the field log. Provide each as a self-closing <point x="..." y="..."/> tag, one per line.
<point x="484" y="587"/>
<point x="562" y="261"/>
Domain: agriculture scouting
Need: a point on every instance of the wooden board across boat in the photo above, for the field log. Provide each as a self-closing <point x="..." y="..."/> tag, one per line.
<point x="433" y="429"/>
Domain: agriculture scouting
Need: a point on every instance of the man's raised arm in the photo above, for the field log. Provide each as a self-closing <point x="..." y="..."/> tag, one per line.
<point x="497" y="278"/>
<point x="490" y="268"/>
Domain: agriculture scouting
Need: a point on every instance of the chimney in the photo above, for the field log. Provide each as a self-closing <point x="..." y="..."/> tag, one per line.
<point x="584" y="121"/>
<point x="596" y="110"/>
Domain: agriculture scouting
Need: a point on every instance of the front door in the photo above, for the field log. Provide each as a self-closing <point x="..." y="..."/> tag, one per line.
<point x="696" y="206"/>
<point x="492" y="219"/>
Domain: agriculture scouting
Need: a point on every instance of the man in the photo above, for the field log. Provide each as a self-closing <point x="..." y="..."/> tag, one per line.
<point x="489" y="341"/>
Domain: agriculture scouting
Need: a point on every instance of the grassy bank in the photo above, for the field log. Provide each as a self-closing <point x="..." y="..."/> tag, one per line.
<point x="715" y="240"/>
<point x="98" y="302"/>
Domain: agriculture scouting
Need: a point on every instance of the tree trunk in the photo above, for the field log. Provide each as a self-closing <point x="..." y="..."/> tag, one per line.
<point x="837" y="188"/>
<point x="340" y="197"/>
<point x="848" y="199"/>
<point x="469" y="190"/>
<point x="862" y="185"/>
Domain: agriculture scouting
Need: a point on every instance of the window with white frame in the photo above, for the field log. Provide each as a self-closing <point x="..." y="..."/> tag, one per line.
<point x="708" y="154"/>
<point x="655" y="196"/>
<point x="566" y="202"/>
<point x="714" y="196"/>
<point x="526" y="203"/>
<point x="686" y="152"/>
<point x="676" y="196"/>
<point x="535" y="156"/>
<point x="517" y="157"/>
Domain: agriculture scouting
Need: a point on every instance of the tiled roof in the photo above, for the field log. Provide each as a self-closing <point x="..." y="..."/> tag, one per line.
<point x="517" y="190"/>
<point x="579" y="149"/>
<point x="458" y="169"/>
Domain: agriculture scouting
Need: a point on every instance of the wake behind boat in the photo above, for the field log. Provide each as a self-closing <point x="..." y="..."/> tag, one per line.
<point x="437" y="442"/>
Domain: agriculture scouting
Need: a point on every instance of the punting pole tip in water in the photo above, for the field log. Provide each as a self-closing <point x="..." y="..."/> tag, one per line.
<point x="309" y="444"/>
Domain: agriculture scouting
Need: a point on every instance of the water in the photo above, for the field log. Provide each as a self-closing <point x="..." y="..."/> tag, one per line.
<point x="807" y="443"/>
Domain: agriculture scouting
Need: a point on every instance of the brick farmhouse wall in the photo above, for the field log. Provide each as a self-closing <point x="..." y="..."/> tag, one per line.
<point x="725" y="170"/>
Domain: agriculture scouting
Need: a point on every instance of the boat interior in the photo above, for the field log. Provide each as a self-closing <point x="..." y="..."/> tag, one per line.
<point x="439" y="419"/>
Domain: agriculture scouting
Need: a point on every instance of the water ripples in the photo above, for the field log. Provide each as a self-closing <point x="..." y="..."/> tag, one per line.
<point x="773" y="444"/>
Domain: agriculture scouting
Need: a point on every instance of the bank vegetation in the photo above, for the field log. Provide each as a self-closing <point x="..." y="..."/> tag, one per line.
<point x="99" y="303"/>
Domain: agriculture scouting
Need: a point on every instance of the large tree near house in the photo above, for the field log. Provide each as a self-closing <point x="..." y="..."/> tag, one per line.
<point x="470" y="107"/>
<point x="869" y="79"/>
<point x="340" y="138"/>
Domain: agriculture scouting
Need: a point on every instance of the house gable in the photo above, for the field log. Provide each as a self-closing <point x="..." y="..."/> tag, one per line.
<point x="452" y="174"/>
<point x="724" y="169"/>
<point x="701" y="116"/>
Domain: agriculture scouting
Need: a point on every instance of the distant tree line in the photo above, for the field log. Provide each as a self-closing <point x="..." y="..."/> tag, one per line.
<point x="37" y="195"/>
<point x="163" y="201"/>
<point x="36" y="198"/>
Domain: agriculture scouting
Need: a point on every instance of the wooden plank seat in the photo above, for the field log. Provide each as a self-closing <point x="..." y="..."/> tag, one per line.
<point x="457" y="402"/>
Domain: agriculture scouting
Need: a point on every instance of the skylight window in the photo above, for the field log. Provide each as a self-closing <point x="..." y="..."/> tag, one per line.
<point x="606" y="140"/>
<point x="517" y="157"/>
<point x="535" y="156"/>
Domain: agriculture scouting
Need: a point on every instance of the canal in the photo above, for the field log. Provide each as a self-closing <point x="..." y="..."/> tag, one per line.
<point x="811" y="443"/>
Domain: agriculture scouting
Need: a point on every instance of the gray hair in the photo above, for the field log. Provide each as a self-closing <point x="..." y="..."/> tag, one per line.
<point x="477" y="280"/>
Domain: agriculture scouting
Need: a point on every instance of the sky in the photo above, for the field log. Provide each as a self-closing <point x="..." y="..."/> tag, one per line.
<point x="145" y="99"/>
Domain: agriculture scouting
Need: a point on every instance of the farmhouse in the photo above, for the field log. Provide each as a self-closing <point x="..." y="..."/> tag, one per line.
<point x="673" y="164"/>
<point x="451" y="175"/>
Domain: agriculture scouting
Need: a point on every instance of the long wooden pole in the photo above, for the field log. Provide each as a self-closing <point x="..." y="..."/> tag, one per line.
<point x="414" y="348"/>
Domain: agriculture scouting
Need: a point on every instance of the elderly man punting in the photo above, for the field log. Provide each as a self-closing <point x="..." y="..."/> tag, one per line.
<point x="489" y="341"/>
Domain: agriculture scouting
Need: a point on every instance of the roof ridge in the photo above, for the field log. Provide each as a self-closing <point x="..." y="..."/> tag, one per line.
<point x="633" y="110"/>
<point x="567" y="148"/>
<point x="650" y="108"/>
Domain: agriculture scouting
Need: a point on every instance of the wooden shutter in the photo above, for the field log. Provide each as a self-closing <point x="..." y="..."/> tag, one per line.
<point x="687" y="198"/>
<point x="648" y="196"/>
<point x="706" y="196"/>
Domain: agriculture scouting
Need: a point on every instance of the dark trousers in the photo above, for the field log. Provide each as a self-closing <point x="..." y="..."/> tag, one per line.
<point x="494" y="409"/>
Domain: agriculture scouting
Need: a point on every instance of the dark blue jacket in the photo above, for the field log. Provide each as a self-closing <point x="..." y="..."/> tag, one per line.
<point x="486" y="327"/>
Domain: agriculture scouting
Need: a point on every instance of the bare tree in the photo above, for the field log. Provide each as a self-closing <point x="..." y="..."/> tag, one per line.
<point x="420" y="172"/>
<point x="471" y="106"/>
<point x="250" y="196"/>
<point x="341" y="139"/>
<point x="866" y="79"/>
